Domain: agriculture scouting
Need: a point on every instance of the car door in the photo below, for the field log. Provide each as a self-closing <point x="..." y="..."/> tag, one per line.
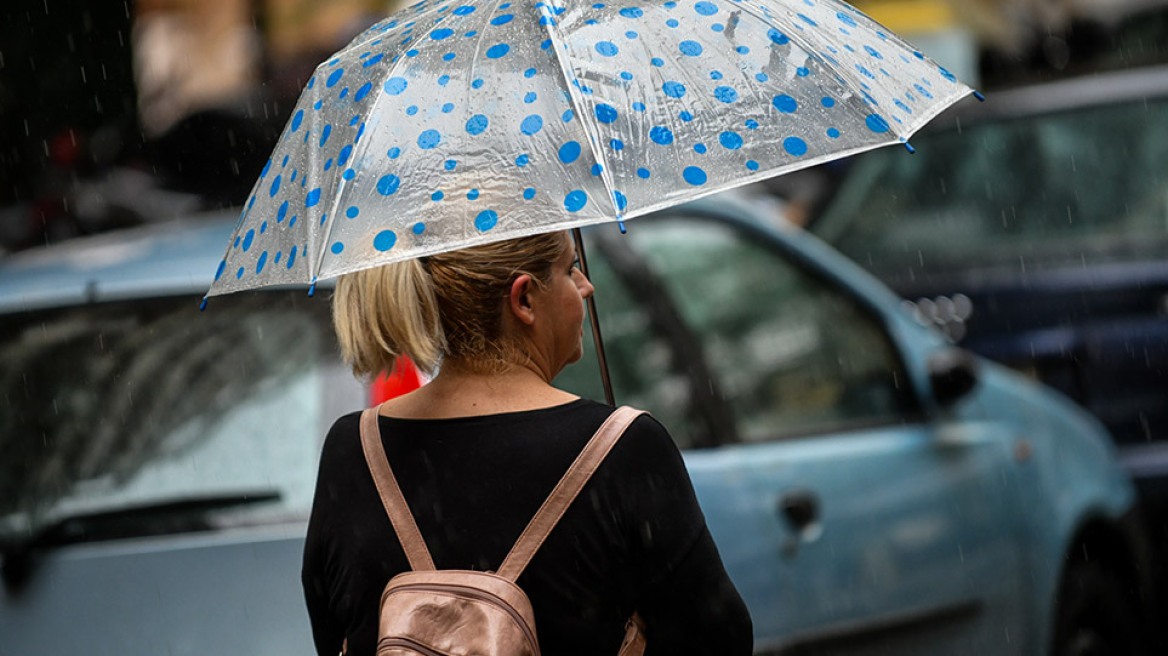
<point x="849" y="523"/>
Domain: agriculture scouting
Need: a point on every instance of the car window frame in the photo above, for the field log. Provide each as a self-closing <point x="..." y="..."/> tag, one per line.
<point x="769" y="239"/>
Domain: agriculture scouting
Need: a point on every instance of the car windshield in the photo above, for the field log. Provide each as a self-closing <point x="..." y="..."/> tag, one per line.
<point x="1081" y="187"/>
<point x="149" y="404"/>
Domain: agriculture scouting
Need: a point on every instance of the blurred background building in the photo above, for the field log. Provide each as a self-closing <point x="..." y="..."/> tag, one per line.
<point x="114" y="114"/>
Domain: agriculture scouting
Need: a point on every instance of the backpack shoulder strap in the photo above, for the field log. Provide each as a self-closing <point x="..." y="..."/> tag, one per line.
<point x="391" y="496"/>
<point x="566" y="491"/>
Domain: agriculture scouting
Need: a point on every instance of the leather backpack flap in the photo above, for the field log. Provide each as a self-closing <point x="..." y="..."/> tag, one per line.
<point x="457" y="612"/>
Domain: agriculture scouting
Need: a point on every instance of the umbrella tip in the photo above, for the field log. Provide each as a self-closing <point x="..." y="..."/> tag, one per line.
<point x="312" y="288"/>
<point x="909" y="147"/>
<point x="621" y="225"/>
<point x="977" y="94"/>
<point x="203" y="304"/>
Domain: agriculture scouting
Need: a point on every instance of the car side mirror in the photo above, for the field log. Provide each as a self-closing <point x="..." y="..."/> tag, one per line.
<point x="952" y="374"/>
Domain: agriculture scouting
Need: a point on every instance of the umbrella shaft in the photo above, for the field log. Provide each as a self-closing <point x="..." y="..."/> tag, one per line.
<point x="594" y="319"/>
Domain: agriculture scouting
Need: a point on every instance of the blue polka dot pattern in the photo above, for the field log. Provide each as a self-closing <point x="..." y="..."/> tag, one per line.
<point x="383" y="240"/>
<point x="785" y="104"/>
<point x="388" y="185"/>
<point x="486" y="220"/>
<point x="876" y="123"/>
<point x="394" y="86"/>
<point x="569" y="152"/>
<point x="429" y="139"/>
<point x="661" y="135"/>
<point x="694" y="175"/>
<point x="575" y="200"/>
<point x="472" y="121"/>
<point x="731" y="140"/>
<point x="532" y="124"/>
<point x="795" y="146"/>
<point x="726" y="94"/>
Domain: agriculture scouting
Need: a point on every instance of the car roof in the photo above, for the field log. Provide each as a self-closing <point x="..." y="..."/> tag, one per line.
<point x="180" y="257"/>
<point x="172" y="258"/>
<point x="1062" y="95"/>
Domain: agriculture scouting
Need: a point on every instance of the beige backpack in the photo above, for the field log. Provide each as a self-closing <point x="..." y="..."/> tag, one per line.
<point x="467" y="613"/>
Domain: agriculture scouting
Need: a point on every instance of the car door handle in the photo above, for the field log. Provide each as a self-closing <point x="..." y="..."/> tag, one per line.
<point x="800" y="508"/>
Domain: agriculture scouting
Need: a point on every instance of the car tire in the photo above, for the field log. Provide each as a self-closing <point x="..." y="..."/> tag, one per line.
<point x="1096" y="616"/>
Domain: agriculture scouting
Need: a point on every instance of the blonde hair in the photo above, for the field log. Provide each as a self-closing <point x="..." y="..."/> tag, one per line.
<point x="442" y="306"/>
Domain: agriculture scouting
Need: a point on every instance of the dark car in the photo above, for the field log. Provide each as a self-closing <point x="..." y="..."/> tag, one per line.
<point x="1033" y="228"/>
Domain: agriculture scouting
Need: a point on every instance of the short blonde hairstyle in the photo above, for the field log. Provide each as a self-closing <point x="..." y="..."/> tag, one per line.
<point x="442" y="306"/>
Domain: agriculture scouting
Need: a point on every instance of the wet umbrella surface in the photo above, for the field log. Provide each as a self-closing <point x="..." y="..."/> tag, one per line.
<point x="452" y="124"/>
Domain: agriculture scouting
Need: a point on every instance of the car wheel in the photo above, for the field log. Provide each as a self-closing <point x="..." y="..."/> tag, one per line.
<point x="1096" y="616"/>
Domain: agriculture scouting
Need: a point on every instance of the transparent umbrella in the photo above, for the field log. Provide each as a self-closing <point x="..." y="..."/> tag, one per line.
<point x="449" y="125"/>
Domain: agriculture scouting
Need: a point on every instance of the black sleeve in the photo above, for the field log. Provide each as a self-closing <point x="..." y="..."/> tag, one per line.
<point x="697" y="609"/>
<point x="328" y="631"/>
<point x="688" y="602"/>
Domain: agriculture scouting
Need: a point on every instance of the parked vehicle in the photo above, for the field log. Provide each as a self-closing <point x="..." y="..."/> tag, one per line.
<point x="1034" y="229"/>
<point x="872" y="488"/>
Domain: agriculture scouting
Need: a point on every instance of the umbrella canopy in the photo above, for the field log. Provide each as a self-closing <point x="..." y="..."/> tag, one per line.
<point x="449" y="125"/>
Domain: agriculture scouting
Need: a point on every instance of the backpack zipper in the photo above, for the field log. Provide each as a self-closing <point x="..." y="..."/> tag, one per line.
<point x="481" y="596"/>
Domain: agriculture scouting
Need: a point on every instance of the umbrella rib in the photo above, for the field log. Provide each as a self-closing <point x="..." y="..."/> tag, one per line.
<point x="577" y="107"/>
<point x="313" y="167"/>
<point x="474" y="59"/>
<point x="327" y="233"/>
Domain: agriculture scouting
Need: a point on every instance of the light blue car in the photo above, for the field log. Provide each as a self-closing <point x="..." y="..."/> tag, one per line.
<point x="872" y="488"/>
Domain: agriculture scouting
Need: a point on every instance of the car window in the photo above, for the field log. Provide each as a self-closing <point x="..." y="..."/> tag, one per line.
<point x="764" y="349"/>
<point x="1082" y="187"/>
<point x="122" y="405"/>
<point x="646" y="346"/>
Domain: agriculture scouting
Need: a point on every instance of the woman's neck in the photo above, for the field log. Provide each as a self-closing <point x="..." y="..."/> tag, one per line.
<point x="460" y="391"/>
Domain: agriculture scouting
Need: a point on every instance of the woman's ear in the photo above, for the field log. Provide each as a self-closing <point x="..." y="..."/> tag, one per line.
<point x="519" y="299"/>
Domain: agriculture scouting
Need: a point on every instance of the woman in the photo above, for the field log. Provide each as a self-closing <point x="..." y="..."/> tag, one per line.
<point x="478" y="449"/>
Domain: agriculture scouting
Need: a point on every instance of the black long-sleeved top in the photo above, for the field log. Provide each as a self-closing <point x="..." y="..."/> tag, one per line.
<point x="635" y="538"/>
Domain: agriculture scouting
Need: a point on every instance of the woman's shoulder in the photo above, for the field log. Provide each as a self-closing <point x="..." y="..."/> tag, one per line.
<point x="643" y="433"/>
<point x="350" y="421"/>
<point x="645" y="429"/>
<point x="343" y="436"/>
<point x="645" y="446"/>
<point x="645" y="440"/>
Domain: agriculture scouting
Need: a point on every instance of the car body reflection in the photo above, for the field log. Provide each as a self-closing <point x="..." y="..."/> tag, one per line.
<point x="1032" y="229"/>
<point x="859" y="473"/>
<point x="861" y="478"/>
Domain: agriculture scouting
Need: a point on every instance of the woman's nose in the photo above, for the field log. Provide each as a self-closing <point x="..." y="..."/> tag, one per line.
<point x="584" y="285"/>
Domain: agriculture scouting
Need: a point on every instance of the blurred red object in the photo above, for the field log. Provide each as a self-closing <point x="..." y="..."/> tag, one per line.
<point x="403" y="378"/>
<point x="64" y="150"/>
